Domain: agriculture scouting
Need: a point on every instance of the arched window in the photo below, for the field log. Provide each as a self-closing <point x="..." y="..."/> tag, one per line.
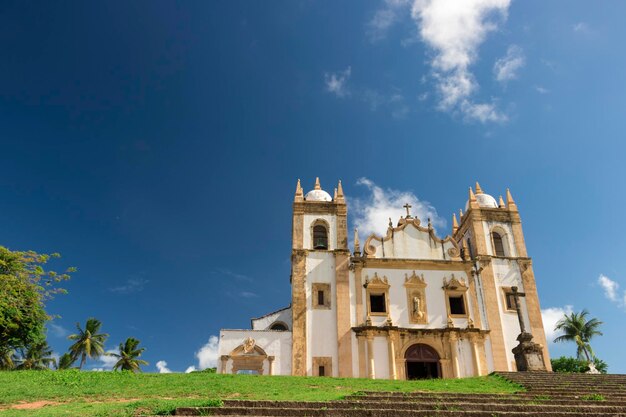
<point x="498" y="245"/>
<point x="279" y="326"/>
<point x="320" y="237"/>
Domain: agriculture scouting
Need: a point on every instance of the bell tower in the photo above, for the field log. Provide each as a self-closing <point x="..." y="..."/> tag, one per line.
<point x="490" y="233"/>
<point x="320" y="283"/>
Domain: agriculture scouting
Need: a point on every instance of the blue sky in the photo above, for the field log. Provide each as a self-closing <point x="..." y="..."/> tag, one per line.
<point x="156" y="146"/>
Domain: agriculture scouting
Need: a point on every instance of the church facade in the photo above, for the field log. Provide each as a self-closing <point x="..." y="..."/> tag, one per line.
<point x="406" y="305"/>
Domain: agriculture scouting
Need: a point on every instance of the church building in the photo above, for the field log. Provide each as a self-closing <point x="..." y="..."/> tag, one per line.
<point x="406" y="305"/>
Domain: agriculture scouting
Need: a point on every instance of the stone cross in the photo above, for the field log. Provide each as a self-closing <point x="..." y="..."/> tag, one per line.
<point x="516" y="296"/>
<point x="407" y="206"/>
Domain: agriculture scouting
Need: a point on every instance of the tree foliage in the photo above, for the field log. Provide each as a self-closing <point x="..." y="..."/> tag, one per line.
<point x="24" y="287"/>
<point x="89" y="342"/>
<point x="128" y="358"/>
<point x="35" y="357"/>
<point x="575" y="365"/>
<point x="576" y="328"/>
<point x="66" y="361"/>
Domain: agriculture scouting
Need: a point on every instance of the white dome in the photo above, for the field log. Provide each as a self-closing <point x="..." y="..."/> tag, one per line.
<point x="318" y="195"/>
<point x="484" y="200"/>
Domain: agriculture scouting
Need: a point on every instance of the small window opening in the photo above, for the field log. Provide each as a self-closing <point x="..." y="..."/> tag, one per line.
<point x="510" y="301"/>
<point x="279" y="327"/>
<point x="321" y="371"/>
<point x="377" y="303"/>
<point x="320" y="237"/>
<point x="457" y="305"/>
<point x="497" y="244"/>
<point x="320" y="297"/>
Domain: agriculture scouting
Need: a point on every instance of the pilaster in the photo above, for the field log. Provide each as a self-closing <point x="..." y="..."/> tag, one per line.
<point x="298" y="309"/>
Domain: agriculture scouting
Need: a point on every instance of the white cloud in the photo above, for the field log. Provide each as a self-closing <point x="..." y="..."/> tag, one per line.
<point x="190" y="369"/>
<point x="248" y="294"/>
<point x="505" y="69"/>
<point x="455" y="30"/>
<point x="373" y="212"/>
<point x="581" y="27"/>
<point x="541" y="90"/>
<point x="611" y="290"/>
<point x="207" y="355"/>
<point x="609" y="286"/>
<point x="336" y="82"/>
<point x="132" y="285"/>
<point x="57" y="330"/>
<point x="393" y="102"/>
<point x="105" y="362"/>
<point x="384" y="18"/>
<point x="550" y="317"/>
<point x="162" y="367"/>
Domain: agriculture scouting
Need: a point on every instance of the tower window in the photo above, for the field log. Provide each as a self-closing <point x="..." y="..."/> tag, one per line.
<point x="320" y="237"/>
<point x="377" y="303"/>
<point x="321" y="371"/>
<point x="320" y="295"/>
<point x="498" y="245"/>
<point x="457" y="305"/>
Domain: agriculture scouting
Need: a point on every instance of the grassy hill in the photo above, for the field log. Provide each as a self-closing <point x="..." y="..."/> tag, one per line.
<point x="75" y="393"/>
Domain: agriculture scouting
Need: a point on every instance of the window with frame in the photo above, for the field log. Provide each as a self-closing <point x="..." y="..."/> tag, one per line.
<point x="320" y="293"/>
<point x="509" y="299"/>
<point x="377" y="293"/>
<point x="378" y="303"/>
<point x="457" y="305"/>
<point x="498" y="244"/>
<point x="320" y="237"/>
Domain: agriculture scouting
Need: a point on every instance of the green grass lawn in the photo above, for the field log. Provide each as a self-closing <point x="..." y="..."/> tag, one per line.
<point x="78" y="393"/>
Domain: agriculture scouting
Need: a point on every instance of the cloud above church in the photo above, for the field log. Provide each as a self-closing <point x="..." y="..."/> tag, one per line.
<point x="611" y="290"/>
<point x="550" y="317"/>
<point x="337" y="82"/>
<point x="162" y="367"/>
<point x="372" y="212"/>
<point x="454" y="32"/>
<point x="207" y="355"/>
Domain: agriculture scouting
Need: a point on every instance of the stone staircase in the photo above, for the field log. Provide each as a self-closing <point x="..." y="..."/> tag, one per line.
<point x="547" y="395"/>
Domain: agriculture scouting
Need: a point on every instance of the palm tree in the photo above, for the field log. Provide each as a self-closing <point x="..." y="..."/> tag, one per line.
<point x="89" y="343"/>
<point x="66" y="361"/>
<point x="36" y="357"/>
<point x="576" y="328"/>
<point x="128" y="356"/>
<point x="6" y="359"/>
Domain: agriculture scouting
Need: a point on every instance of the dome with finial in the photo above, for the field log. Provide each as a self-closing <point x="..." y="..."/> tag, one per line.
<point x="317" y="194"/>
<point x="483" y="200"/>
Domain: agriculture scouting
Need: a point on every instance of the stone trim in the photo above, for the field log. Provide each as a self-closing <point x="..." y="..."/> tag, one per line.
<point x="316" y="287"/>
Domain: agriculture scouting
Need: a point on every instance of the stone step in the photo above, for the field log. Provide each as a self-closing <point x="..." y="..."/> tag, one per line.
<point x="594" y="408"/>
<point x="521" y="399"/>
<point x="300" y="412"/>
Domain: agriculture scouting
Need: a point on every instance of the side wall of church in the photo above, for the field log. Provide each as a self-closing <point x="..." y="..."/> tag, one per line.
<point x="263" y="323"/>
<point x="274" y="343"/>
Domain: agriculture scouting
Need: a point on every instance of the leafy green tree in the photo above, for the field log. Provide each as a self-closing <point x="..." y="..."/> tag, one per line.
<point x="576" y="328"/>
<point x="128" y="358"/>
<point x="66" y="361"/>
<point x="89" y="342"/>
<point x="575" y="365"/>
<point x="36" y="357"/>
<point x="24" y="287"/>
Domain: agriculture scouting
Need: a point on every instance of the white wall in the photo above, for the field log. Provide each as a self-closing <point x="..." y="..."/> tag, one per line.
<point x="381" y="357"/>
<point x="277" y="344"/>
<point x="435" y="297"/>
<point x="507" y="274"/>
<point x="411" y="243"/>
<point x="264" y="322"/>
<point x="321" y="324"/>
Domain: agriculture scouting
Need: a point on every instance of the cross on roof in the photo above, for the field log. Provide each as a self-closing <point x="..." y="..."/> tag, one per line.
<point x="407" y="206"/>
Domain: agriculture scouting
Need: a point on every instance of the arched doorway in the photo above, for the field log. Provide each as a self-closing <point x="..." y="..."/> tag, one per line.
<point x="422" y="362"/>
